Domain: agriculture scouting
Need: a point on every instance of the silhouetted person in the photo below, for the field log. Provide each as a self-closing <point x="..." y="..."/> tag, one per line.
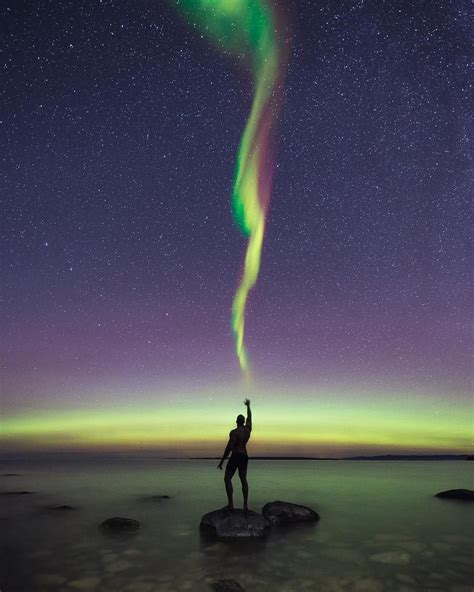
<point x="238" y="439"/>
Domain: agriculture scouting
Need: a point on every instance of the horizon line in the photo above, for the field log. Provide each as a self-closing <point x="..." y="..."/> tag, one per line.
<point x="96" y="454"/>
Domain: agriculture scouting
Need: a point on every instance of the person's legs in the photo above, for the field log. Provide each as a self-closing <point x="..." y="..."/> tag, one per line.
<point x="229" y="473"/>
<point x="245" y="485"/>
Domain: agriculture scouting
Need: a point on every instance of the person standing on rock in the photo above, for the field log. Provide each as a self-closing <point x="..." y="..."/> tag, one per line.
<point x="238" y="439"/>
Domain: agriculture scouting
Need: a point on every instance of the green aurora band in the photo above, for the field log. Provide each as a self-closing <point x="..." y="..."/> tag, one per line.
<point x="248" y="28"/>
<point x="323" y="423"/>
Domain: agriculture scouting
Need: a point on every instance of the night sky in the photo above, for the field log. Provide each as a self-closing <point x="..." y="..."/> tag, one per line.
<point x="121" y="122"/>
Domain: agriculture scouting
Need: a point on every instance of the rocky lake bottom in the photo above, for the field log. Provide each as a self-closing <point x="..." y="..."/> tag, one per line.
<point x="380" y="530"/>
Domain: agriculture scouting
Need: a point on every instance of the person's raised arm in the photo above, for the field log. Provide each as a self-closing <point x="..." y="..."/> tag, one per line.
<point x="248" y="423"/>
<point x="227" y="451"/>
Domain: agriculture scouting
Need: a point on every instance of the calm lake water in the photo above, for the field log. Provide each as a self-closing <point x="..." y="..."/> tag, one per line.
<point x="381" y="529"/>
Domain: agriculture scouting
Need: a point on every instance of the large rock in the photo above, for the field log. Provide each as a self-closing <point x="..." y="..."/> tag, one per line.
<point x="118" y="524"/>
<point x="286" y="513"/>
<point x="466" y="495"/>
<point x="235" y="524"/>
<point x="227" y="586"/>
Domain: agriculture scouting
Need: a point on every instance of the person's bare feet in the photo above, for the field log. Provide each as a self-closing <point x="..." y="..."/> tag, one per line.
<point x="246" y="508"/>
<point x="228" y="507"/>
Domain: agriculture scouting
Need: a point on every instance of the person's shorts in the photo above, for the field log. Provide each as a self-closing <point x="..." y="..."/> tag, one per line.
<point x="237" y="460"/>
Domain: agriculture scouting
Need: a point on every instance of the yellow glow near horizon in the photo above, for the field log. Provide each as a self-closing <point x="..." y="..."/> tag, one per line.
<point x="312" y="427"/>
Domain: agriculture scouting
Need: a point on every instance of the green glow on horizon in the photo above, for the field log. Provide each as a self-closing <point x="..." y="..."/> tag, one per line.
<point x="249" y="28"/>
<point x="314" y="427"/>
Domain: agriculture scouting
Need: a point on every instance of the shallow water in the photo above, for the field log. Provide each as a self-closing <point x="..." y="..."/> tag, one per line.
<point x="381" y="529"/>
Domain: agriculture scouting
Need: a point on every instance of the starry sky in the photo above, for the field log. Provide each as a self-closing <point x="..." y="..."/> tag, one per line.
<point x="121" y="256"/>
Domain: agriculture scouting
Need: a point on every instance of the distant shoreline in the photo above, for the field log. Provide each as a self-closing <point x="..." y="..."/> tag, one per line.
<point x="380" y="457"/>
<point x="75" y="456"/>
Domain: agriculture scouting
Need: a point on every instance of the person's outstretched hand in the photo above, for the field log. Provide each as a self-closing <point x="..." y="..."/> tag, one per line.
<point x="219" y="466"/>
<point x="247" y="402"/>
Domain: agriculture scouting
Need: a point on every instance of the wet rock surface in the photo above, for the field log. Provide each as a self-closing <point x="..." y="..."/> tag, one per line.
<point x="235" y="524"/>
<point x="118" y="524"/>
<point x="465" y="495"/>
<point x="286" y="513"/>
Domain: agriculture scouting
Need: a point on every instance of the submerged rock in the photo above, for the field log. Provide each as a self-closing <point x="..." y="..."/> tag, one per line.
<point x="88" y="583"/>
<point x="235" y="524"/>
<point x="227" y="586"/>
<point x="118" y="524"/>
<point x="155" y="498"/>
<point x="392" y="558"/>
<point x="51" y="579"/>
<point x="16" y="492"/>
<point x="366" y="584"/>
<point x="405" y="578"/>
<point x="465" y="495"/>
<point x="412" y="546"/>
<point x="63" y="508"/>
<point x="286" y="513"/>
<point x="343" y="555"/>
<point x="119" y="565"/>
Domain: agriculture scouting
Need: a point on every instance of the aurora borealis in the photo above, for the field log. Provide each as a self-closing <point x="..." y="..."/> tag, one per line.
<point x="251" y="29"/>
<point x="329" y="425"/>
<point x="121" y="257"/>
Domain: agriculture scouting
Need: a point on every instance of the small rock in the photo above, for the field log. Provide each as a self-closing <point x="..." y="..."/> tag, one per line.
<point x="465" y="495"/>
<point x="227" y="586"/>
<point x="154" y="498"/>
<point x="392" y="558"/>
<point x="63" y="508"/>
<point x="286" y="513"/>
<point x="16" y="492"/>
<point x="118" y="524"/>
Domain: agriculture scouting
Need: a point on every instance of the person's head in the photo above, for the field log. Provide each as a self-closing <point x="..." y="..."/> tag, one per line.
<point x="240" y="420"/>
